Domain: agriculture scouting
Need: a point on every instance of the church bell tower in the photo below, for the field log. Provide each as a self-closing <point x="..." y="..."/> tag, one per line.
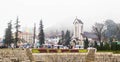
<point x="78" y="31"/>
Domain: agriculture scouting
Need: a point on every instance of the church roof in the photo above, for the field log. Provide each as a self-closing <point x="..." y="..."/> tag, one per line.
<point x="77" y="20"/>
<point x="89" y="35"/>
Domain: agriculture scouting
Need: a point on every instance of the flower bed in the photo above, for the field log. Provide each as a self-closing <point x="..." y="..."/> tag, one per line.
<point x="43" y="50"/>
<point x="53" y="50"/>
<point x="35" y="51"/>
<point x="65" y="50"/>
<point x="74" y="51"/>
<point x="59" y="51"/>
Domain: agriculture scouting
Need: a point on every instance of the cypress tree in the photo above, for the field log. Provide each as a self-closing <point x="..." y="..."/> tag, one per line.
<point x="41" y="34"/>
<point x="62" y="32"/>
<point x="61" y="41"/>
<point x="16" y="33"/>
<point x="95" y="44"/>
<point x="67" y="38"/>
<point x="86" y="43"/>
<point x="8" y="35"/>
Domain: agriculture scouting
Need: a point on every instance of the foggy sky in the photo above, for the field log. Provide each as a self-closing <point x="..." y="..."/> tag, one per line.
<point x="57" y="13"/>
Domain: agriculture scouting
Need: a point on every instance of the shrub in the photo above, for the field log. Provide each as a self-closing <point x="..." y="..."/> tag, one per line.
<point x="74" y="50"/>
<point x="65" y="50"/>
<point x="114" y="46"/>
<point x="43" y="50"/>
<point x="35" y="51"/>
<point x="53" y="50"/>
<point x="59" y="50"/>
<point x="83" y="51"/>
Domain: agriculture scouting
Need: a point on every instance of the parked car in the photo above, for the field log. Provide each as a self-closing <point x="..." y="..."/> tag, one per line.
<point x="78" y="47"/>
<point x="58" y="46"/>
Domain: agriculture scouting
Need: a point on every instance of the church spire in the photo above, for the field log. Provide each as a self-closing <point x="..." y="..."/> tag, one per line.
<point x="77" y="21"/>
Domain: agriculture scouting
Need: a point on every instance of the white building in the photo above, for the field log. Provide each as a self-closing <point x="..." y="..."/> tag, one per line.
<point x="78" y="31"/>
<point x="53" y="41"/>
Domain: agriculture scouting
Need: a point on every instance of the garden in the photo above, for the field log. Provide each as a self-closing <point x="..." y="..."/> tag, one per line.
<point x="41" y="50"/>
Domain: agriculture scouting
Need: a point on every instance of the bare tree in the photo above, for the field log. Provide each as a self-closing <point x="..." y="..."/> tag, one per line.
<point x="98" y="29"/>
<point x="118" y="32"/>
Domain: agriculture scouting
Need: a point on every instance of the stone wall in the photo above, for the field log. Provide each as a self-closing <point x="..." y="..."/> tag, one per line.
<point x="60" y="57"/>
<point x="20" y="55"/>
<point x="13" y="55"/>
<point x="107" y="57"/>
<point x="91" y="56"/>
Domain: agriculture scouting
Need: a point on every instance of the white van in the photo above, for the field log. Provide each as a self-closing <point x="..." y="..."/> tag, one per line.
<point x="60" y="46"/>
<point x="79" y="47"/>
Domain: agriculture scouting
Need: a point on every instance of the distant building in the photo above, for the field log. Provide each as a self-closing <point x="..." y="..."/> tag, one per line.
<point x="24" y="37"/>
<point x="27" y="37"/>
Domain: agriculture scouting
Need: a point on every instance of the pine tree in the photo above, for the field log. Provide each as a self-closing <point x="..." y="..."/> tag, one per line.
<point x="86" y="43"/>
<point x="8" y="35"/>
<point x="63" y="35"/>
<point x="41" y="34"/>
<point x="95" y="44"/>
<point x="16" y="33"/>
<point x="67" y="38"/>
<point x="61" y="41"/>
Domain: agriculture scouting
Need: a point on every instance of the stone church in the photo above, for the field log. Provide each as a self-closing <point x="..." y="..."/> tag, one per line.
<point x="77" y="38"/>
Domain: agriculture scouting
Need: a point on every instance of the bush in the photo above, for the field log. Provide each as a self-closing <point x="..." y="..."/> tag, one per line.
<point x="106" y="46"/>
<point x="35" y="51"/>
<point x="43" y="50"/>
<point x="59" y="50"/>
<point x="118" y="47"/>
<point x="74" y="50"/>
<point x="53" y="50"/>
<point x="114" y="46"/>
<point x="65" y="50"/>
<point x="83" y="51"/>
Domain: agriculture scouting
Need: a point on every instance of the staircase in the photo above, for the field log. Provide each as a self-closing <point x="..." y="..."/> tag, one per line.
<point x="90" y="56"/>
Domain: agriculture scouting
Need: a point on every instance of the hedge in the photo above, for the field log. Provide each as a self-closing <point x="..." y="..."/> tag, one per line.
<point x="59" y="50"/>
